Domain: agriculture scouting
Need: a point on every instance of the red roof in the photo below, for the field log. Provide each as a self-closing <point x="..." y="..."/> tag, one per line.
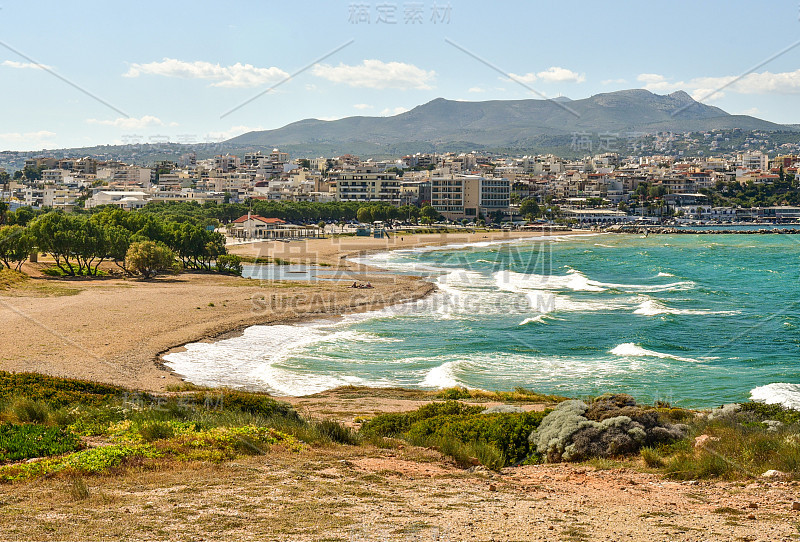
<point x="244" y="218"/>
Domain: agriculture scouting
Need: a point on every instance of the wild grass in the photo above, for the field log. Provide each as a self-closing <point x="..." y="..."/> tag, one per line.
<point x="10" y="278"/>
<point x="78" y="489"/>
<point x="742" y="451"/>
<point x="519" y="395"/>
<point x="46" y="417"/>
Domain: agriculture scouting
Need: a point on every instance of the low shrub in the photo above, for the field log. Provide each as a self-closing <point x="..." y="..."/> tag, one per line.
<point x="457" y="429"/>
<point x="651" y="457"/>
<point x="252" y="403"/>
<point x="762" y="412"/>
<point x="612" y="425"/>
<point x="93" y="460"/>
<point x="18" y="442"/>
<point x="519" y="395"/>
<point x="156" y="431"/>
<point x="395" y="424"/>
<point x="29" y="411"/>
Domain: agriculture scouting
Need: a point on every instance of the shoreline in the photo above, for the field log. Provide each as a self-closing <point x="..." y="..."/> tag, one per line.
<point x="117" y="330"/>
<point x="346" y="262"/>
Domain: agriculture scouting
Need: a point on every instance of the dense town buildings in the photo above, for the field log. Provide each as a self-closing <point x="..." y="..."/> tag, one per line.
<point x="600" y="188"/>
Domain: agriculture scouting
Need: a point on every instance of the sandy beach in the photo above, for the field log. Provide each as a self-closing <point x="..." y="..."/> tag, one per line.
<point x="115" y="329"/>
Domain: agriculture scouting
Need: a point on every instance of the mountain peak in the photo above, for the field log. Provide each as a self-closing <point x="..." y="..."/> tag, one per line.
<point x="682" y="96"/>
<point x="449" y="124"/>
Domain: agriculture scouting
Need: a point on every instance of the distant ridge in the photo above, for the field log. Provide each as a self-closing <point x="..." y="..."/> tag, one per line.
<point x="447" y="124"/>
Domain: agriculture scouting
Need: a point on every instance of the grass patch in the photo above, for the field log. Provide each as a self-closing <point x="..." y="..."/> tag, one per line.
<point x="58" y="272"/>
<point x="743" y="446"/>
<point x="56" y="392"/>
<point x="19" y="442"/>
<point x="728" y="510"/>
<point x="10" y="278"/>
<point x="519" y="395"/>
<point x="651" y="457"/>
<point x="337" y="432"/>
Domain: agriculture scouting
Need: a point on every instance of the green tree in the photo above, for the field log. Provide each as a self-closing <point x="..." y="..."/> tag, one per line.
<point x="58" y="234"/>
<point x="429" y="213"/>
<point x="364" y="215"/>
<point x="529" y="208"/>
<point x="230" y="264"/>
<point x="21" y="216"/>
<point x="149" y="259"/>
<point x="15" y="246"/>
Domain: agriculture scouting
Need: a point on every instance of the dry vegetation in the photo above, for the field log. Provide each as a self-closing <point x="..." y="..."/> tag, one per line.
<point x="182" y="476"/>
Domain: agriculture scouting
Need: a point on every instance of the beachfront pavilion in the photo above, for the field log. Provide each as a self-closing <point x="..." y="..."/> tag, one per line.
<point x="258" y="227"/>
<point x="595" y="216"/>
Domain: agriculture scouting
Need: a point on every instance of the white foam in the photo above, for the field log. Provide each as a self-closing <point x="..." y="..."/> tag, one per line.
<point x="442" y="376"/>
<point x="779" y="393"/>
<point x="534" y="320"/>
<point x="663" y="274"/>
<point x="652" y="307"/>
<point x="576" y="281"/>
<point x="258" y="357"/>
<point x="634" y="350"/>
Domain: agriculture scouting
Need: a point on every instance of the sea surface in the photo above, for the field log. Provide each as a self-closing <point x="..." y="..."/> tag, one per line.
<point x="696" y="320"/>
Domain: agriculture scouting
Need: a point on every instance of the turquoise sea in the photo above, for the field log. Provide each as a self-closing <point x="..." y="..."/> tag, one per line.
<point x="696" y="320"/>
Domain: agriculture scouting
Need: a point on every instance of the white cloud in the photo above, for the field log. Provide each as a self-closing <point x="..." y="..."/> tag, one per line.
<point x="555" y="74"/>
<point x="378" y="75"/>
<point x="363" y="106"/>
<point x="27" y="140"/>
<point x="24" y="65"/>
<point x="706" y="88"/>
<point x="232" y="132"/>
<point x="476" y="89"/>
<point x="132" y="123"/>
<point x="527" y="78"/>
<point x="236" y="76"/>
<point x="658" y="83"/>
<point x="391" y="111"/>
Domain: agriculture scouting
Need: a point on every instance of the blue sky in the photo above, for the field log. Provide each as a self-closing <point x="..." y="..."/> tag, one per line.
<point x="173" y="69"/>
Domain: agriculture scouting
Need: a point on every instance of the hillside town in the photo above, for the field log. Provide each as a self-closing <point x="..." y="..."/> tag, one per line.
<point x="601" y="189"/>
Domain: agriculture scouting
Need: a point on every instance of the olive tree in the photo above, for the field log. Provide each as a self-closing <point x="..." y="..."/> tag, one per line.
<point x="149" y="259"/>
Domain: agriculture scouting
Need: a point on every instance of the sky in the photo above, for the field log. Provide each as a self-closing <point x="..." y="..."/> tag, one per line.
<point x="85" y="73"/>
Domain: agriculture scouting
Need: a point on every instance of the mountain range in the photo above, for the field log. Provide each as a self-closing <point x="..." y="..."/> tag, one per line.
<point x="510" y="124"/>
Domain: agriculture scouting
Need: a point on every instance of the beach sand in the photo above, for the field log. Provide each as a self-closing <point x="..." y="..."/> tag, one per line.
<point x="115" y="329"/>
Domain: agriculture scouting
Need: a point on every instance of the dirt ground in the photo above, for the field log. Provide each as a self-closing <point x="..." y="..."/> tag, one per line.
<point x="403" y="494"/>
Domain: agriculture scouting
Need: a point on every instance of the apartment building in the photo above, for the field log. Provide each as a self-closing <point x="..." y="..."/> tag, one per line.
<point x="368" y="184"/>
<point x="469" y="196"/>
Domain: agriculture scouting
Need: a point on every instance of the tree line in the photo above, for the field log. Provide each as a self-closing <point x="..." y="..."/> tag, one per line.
<point x="80" y="243"/>
<point x="290" y="211"/>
